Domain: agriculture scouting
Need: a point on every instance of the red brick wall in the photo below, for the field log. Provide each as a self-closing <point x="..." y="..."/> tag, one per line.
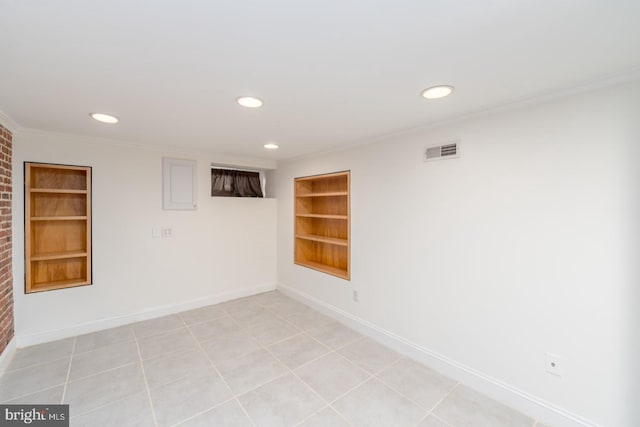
<point x="6" y="278"/>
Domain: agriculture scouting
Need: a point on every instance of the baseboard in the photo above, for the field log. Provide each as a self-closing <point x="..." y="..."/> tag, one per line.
<point x="7" y="355"/>
<point x="151" y="313"/>
<point x="526" y="403"/>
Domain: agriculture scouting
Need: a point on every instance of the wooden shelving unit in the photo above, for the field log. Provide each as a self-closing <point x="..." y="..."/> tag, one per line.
<point x="57" y="226"/>
<point x="322" y="223"/>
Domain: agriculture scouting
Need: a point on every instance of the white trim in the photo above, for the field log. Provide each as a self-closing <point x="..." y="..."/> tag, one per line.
<point x="496" y="389"/>
<point x="152" y="313"/>
<point x="608" y="80"/>
<point x="186" y="151"/>
<point x="7" y="355"/>
<point x="8" y="122"/>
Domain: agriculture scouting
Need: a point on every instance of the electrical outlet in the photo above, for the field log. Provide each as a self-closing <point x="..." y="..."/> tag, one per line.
<point x="355" y="296"/>
<point x="166" y="232"/>
<point x="554" y="364"/>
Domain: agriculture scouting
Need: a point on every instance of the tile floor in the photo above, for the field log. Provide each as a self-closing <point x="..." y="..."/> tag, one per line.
<point x="264" y="360"/>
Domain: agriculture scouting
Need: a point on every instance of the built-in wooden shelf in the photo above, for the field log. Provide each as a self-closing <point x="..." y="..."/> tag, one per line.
<point x="333" y="194"/>
<point x="59" y="284"/>
<point x="57" y="191"/>
<point x="325" y="216"/>
<point x="59" y="255"/>
<point x="57" y="226"/>
<point x="324" y="239"/>
<point x="322" y="223"/>
<point x="57" y="218"/>
<point x="334" y="271"/>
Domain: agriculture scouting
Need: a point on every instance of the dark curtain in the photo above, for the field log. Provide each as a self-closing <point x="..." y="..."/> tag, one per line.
<point x="234" y="183"/>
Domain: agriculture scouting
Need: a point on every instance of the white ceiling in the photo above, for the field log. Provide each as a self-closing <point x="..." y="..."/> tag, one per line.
<point x="331" y="72"/>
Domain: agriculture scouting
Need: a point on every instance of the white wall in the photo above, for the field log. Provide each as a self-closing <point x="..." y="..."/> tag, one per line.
<point x="519" y="247"/>
<point x="224" y="249"/>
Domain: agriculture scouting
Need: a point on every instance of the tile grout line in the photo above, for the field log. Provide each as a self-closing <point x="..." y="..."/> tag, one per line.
<point x="301" y="332"/>
<point x="273" y="379"/>
<point x="35" y="365"/>
<point x="291" y="371"/>
<point x="318" y="412"/>
<point x="191" y="417"/>
<point x="436" y="405"/>
<point x="446" y="423"/>
<point x="66" y="382"/>
<point x="332" y="351"/>
<point x="104" y="405"/>
<point x="213" y="365"/>
<point x="375" y="374"/>
<point x="371" y="375"/>
<point x="104" y="371"/>
<point x="146" y="383"/>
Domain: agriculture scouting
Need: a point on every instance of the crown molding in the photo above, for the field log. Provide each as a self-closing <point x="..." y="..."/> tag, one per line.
<point x="9" y="123"/>
<point x="171" y="150"/>
<point x="609" y="80"/>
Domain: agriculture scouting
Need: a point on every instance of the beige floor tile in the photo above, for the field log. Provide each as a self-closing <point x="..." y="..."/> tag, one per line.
<point x="41" y="354"/>
<point x="174" y="366"/>
<point x="160" y="325"/>
<point x="331" y="376"/>
<point x="102" y="359"/>
<point x="464" y="407"/>
<point x="99" y="339"/>
<point x="424" y="386"/>
<point x="228" y="414"/>
<point x="282" y="402"/>
<point x="187" y="397"/>
<point x="167" y="342"/>
<point x="325" y="418"/>
<point x="92" y="392"/>
<point x="369" y="355"/>
<point x="298" y="350"/>
<point x="14" y="384"/>
<point x="334" y="334"/>
<point x="132" y="411"/>
<point x="250" y="371"/>
<point x="373" y="404"/>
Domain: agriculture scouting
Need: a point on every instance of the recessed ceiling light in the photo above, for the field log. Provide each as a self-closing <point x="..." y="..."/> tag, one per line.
<point x="249" y="101"/>
<point x="104" y="118"/>
<point x="436" y="92"/>
<point x="271" y="146"/>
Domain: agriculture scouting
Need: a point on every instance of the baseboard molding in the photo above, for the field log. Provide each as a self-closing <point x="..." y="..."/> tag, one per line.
<point x="526" y="403"/>
<point x="151" y="313"/>
<point x="7" y="355"/>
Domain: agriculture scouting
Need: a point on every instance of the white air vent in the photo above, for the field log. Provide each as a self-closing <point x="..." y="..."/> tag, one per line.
<point x="450" y="150"/>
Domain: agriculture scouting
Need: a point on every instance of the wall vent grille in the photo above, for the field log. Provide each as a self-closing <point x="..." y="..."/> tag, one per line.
<point x="450" y="150"/>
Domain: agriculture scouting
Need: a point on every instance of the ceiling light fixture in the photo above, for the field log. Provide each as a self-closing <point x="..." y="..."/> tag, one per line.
<point x="271" y="146"/>
<point x="435" y="92"/>
<point x="249" y="101"/>
<point x="104" y="118"/>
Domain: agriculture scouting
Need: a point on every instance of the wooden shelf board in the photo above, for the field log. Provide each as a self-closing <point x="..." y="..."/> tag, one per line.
<point x="57" y="218"/>
<point x="343" y="274"/>
<point x="325" y="216"/>
<point x="60" y="284"/>
<point x="323" y="239"/>
<point x="58" y="255"/>
<point x="57" y="191"/>
<point x="332" y="194"/>
<point x="323" y="176"/>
